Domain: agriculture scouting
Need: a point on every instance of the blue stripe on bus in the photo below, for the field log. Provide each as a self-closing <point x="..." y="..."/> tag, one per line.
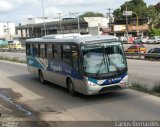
<point x="53" y="66"/>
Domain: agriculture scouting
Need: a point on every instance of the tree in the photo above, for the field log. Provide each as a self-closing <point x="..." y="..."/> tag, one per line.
<point x="91" y="14"/>
<point x="137" y="6"/>
<point x="152" y="16"/>
<point x="140" y="8"/>
<point x="157" y="6"/>
<point x="117" y="13"/>
<point x="154" y="32"/>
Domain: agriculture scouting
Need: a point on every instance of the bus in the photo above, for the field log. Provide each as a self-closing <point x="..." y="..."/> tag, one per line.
<point x="85" y="64"/>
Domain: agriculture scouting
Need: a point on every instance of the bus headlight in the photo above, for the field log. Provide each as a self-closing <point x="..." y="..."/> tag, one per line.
<point x="125" y="79"/>
<point x="123" y="83"/>
<point x="91" y="83"/>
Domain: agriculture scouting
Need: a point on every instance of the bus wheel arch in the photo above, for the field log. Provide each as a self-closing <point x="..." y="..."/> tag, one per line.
<point x="70" y="86"/>
<point x="41" y="77"/>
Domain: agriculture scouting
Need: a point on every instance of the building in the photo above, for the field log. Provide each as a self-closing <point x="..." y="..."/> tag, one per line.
<point x="97" y="25"/>
<point x="133" y="28"/>
<point x="7" y="30"/>
<point x="91" y="25"/>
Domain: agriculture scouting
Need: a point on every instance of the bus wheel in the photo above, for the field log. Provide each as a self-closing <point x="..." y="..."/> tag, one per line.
<point x="41" y="78"/>
<point x="70" y="87"/>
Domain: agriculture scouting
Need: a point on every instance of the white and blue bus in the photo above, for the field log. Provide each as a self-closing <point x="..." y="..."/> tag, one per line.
<point x="85" y="64"/>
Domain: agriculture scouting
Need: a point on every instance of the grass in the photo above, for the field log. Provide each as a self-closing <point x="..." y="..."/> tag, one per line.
<point x="3" y="46"/>
<point x="154" y="91"/>
<point x="14" y="59"/>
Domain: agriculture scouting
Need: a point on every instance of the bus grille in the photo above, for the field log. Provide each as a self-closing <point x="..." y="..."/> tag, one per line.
<point x="110" y="88"/>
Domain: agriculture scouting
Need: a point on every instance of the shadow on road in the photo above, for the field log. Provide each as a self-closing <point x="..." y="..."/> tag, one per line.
<point x="60" y="95"/>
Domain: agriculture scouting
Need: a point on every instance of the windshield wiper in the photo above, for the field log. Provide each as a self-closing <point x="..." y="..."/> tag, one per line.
<point x="103" y="60"/>
<point x="109" y="61"/>
<point x="100" y="66"/>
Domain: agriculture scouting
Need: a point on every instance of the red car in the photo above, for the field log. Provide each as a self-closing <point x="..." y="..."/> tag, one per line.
<point x="136" y="48"/>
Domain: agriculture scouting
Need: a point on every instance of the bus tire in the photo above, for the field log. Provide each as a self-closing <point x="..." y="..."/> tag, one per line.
<point x="41" y="77"/>
<point x="70" y="87"/>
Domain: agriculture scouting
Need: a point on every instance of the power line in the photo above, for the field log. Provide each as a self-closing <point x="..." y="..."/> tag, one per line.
<point x="81" y="12"/>
<point x="76" y="14"/>
<point x="44" y="22"/>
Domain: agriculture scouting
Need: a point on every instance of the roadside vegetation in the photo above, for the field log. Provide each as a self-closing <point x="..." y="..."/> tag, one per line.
<point x="154" y="91"/>
<point x="3" y="46"/>
<point x="155" y="32"/>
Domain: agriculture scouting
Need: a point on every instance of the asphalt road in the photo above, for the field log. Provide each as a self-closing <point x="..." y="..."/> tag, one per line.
<point x="51" y="102"/>
<point x="140" y="71"/>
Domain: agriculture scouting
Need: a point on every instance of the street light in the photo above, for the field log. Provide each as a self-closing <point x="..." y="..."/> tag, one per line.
<point x="136" y="23"/>
<point x="60" y="22"/>
<point x="126" y="24"/>
<point x="129" y="13"/>
<point x="44" y="24"/>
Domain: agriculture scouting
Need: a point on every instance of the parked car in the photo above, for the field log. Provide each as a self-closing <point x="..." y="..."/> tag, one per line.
<point x="139" y="48"/>
<point x="140" y="40"/>
<point x="154" y="40"/>
<point x="156" y="51"/>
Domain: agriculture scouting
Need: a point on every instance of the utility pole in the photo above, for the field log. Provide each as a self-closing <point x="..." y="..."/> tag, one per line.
<point x="44" y="23"/>
<point x="109" y="14"/>
<point x="8" y="31"/>
<point x="126" y="24"/>
<point x="60" y="23"/>
<point x="76" y="13"/>
<point x="136" y="23"/>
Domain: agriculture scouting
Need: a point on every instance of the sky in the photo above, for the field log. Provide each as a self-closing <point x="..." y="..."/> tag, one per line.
<point x="19" y="10"/>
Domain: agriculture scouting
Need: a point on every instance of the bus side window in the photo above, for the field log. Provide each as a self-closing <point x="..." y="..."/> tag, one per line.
<point x="57" y="52"/>
<point x="75" y="62"/>
<point x="66" y="54"/>
<point x="49" y="49"/>
<point x="33" y="50"/>
<point x="36" y="50"/>
<point x="42" y="51"/>
<point x="28" y="49"/>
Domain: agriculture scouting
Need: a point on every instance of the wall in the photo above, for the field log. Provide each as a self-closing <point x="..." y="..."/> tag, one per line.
<point x="95" y="23"/>
<point x="7" y="30"/>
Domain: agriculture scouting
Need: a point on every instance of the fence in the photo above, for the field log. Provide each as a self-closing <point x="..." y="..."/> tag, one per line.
<point x="143" y="55"/>
<point x="12" y="50"/>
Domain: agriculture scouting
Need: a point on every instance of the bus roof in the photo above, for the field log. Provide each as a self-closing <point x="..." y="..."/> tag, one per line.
<point x="68" y="38"/>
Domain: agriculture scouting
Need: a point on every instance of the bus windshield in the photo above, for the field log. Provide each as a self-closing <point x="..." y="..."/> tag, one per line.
<point x="102" y="58"/>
